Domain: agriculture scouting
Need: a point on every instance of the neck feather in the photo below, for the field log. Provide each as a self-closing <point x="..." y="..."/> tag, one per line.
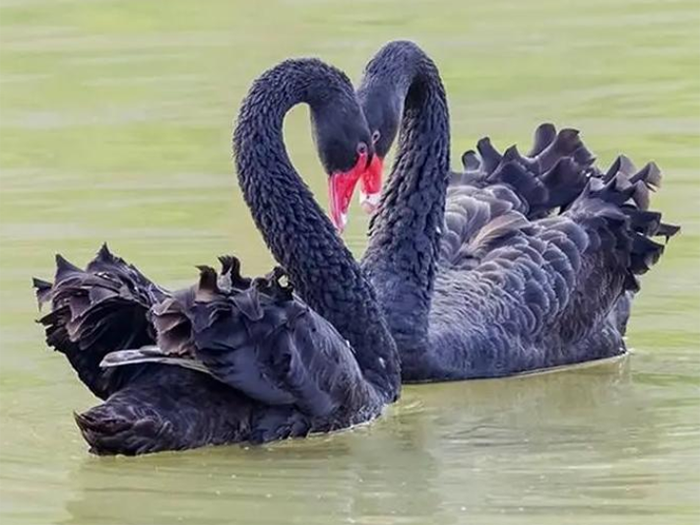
<point x="295" y="228"/>
<point x="405" y="233"/>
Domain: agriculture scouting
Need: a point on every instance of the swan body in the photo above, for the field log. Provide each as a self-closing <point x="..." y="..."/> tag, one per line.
<point x="232" y="359"/>
<point x="519" y="263"/>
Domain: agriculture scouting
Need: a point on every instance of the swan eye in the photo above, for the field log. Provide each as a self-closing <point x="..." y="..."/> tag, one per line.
<point x="283" y="281"/>
<point x="362" y="148"/>
<point x="376" y="136"/>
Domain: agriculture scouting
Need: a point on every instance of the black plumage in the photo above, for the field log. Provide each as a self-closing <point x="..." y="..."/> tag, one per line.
<point x="518" y="263"/>
<point x="233" y="359"/>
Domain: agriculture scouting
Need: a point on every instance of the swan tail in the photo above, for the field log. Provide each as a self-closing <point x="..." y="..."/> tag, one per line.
<point x="95" y="311"/>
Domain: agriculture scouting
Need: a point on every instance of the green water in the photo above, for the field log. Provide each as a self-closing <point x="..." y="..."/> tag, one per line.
<point x="115" y="122"/>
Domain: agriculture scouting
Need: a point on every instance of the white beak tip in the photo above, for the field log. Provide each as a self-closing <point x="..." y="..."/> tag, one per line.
<point x="369" y="202"/>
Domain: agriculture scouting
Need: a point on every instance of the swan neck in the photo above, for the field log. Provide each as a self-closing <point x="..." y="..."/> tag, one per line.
<point x="405" y="233"/>
<point x="295" y="228"/>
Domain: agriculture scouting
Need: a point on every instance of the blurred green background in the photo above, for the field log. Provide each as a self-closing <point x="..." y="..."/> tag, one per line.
<point x="115" y="122"/>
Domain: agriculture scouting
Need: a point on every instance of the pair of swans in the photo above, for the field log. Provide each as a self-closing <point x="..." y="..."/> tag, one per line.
<point x="515" y="264"/>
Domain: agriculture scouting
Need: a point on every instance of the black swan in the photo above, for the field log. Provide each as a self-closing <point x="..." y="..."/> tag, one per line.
<point x="231" y="359"/>
<point x="521" y="262"/>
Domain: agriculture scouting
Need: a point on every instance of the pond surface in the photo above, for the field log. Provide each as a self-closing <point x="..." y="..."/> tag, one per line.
<point x="116" y="119"/>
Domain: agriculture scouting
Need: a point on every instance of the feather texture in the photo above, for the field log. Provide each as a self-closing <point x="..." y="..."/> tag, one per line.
<point x="233" y="359"/>
<point x="518" y="263"/>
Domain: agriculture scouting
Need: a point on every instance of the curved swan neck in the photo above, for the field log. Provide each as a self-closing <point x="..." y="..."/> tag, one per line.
<point x="405" y="232"/>
<point x="295" y="228"/>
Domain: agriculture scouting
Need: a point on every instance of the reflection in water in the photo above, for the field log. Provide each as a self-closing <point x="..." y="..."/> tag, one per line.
<point x="465" y="447"/>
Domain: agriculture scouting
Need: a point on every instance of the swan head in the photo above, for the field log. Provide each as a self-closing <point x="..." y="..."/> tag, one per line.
<point x="345" y="148"/>
<point x="341" y="186"/>
<point x="382" y="105"/>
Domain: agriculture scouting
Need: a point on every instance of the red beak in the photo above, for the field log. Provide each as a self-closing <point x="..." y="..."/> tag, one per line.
<point x="341" y="186"/>
<point x="371" y="185"/>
